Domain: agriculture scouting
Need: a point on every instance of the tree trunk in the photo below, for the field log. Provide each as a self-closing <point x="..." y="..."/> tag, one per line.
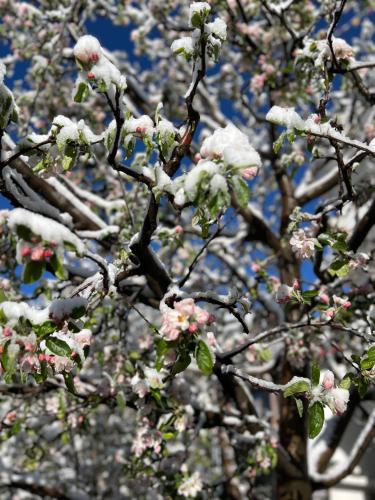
<point x="293" y="433"/>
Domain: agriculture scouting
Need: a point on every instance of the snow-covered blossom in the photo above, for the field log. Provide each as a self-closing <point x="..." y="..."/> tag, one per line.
<point x="198" y="12"/>
<point x="338" y="399"/>
<point x="319" y="51"/>
<point x="218" y="27"/>
<point x="89" y="53"/>
<point x="285" y="116"/>
<point x="141" y="126"/>
<point x="232" y="146"/>
<point x="87" y="49"/>
<point x="61" y="309"/>
<point x="335" y="397"/>
<point x="283" y="294"/>
<point x="183" y="45"/>
<point x="359" y="261"/>
<point x="191" y="486"/>
<point x="328" y="380"/>
<point x="185" y="316"/>
<point x="302" y="245"/>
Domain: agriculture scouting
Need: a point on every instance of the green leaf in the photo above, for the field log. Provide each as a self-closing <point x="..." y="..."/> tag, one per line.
<point x="203" y="358"/>
<point x="265" y="355"/>
<point x="78" y="312"/>
<point x="368" y="361"/>
<point x="32" y="271"/>
<point x="57" y="267"/>
<point x="339" y="268"/>
<point x="316" y="419"/>
<point x="69" y="246"/>
<point x="3" y="318"/>
<point x="24" y="232"/>
<point x="346" y="382"/>
<point x="241" y="190"/>
<point x="162" y="347"/>
<point x="69" y="157"/>
<point x="121" y="401"/>
<point x="3" y="297"/>
<point x="315" y="373"/>
<point x="299" y="404"/>
<point x="182" y="362"/>
<point x="82" y="92"/>
<point x="297" y="387"/>
<point x="45" y="328"/>
<point x="340" y="245"/>
<point x="58" y="347"/>
<point x="362" y="386"/>
<point x="69" y="382"/>
<point x="5" y="360"/>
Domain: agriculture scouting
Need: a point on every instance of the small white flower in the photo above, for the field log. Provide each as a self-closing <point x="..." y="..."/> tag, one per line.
<point x="191" y="486"/>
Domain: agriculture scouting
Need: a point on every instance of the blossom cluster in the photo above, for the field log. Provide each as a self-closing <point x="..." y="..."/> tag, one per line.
<point x="214" y="34"/>
<point x="185" y="316"/>
<point x="96" y="67"/>
<point x="38" y="252"/>
<point x="147" y="438"/>
<point x="302" y="245"/>
<point x="27" y="354"/>
<point x="335" y="398"/>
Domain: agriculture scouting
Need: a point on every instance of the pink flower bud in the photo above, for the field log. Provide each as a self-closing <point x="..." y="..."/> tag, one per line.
<point x="179" y="229"/>
<point x="250" y="173"/>
<point x="255" y="267"/>
<point x="295" y="284"/>
<point x="324" y="298"/>
<point x="47" y="253"/>
<point x="328" y="380"/>
<point x="7" y="332"/>
<point x="90" y="75"/>
<point x="25" y="251"/>
<point x="37" y="254"/>
<point x="193" y="328"/>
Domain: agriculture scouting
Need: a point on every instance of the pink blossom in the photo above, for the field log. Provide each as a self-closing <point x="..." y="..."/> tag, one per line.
<point x="37" y="254"/>
<point x="7" y="332"/>
<point x="193" y="328"/>
<point x="302" y="245"/>
<point x="211" y="339"/>
<point x="10" y="418"/>
<point x="257" y="82"/>
<point x="255" y="267"/>
<point x="202" y="316"/>
<point x="29" y="363"/>
<point x="47" y="253"/>
<point x="323" y="297"/>
<point x="185" y="306"/>
<point x="87" y="49"/>
<point x="25" y="251"/>
<point x="295" y="284"/>
<point x="283" y="294"/>
<point x="249" y="173"/>
<point x="179" y="229"/>
<point x="338" y="301"/>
